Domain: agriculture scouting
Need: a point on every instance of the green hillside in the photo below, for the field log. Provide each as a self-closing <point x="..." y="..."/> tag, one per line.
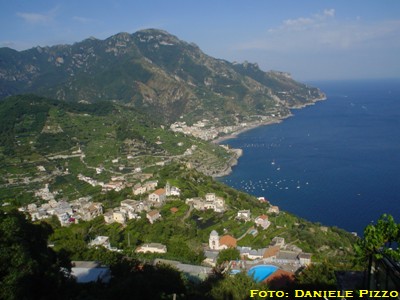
<point x="51" y="141"/>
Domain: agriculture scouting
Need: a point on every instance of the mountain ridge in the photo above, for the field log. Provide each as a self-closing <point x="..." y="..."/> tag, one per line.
<point x="155" y="72"/>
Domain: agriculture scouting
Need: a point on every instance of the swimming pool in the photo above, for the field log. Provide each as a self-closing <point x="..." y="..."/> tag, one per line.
<point x="259" y="273"/>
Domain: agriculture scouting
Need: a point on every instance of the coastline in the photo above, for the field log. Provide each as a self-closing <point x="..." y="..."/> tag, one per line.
<point x="309" y="104"/>
<point x="237" y="153"/>
<point x="233" y="161"/>
<point x="274" y="120"/>
<point x="251" y="126"/>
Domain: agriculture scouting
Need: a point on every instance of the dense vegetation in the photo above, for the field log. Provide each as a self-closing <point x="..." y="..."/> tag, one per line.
<point x="28" y="268"/>
<point x="31" y="270"/>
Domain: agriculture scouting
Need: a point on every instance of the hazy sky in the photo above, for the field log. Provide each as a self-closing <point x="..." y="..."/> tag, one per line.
<point x="312" y="39"/>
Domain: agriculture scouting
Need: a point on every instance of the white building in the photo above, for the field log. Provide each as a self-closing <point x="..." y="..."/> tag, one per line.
<point x="108" y="217"/>
<point x="119" y="217"/>
<point x="100" y="241"/>
<point x="273" y="209"/>
<point x="210" y="197"/>
<point x="244" y="215"/>
<point x="278" y="241"/>
<point x="158" y="197"/>
<point x="139" y="190"/>
<point x="216" y="204"/>
<point x="305" y="259"/>
<point x="90" y="271"/>
<point x="152" y="248"/>
<point x="153" y="216"/>
<point x="262" y="221"/>
<point x="172" y="190"/>
<point x="130" y="204"/>
<point x="151" y="185"/>
<point x="213" y="241"/>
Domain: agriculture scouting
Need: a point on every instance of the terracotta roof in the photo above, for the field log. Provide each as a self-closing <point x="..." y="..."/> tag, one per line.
<point x="153" y="213"/>
<point x="174" y="210"/>
<point x="159" y="192"/>
<point x="264" y="217"/>
<point x="228" y="240"/>
<point x="271" y="251"/>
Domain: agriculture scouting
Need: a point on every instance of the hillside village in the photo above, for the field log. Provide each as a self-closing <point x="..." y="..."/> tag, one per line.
<point x="288" y="257"/>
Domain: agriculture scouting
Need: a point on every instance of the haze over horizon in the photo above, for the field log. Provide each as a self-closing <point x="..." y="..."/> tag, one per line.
<point x="313" y="40"/>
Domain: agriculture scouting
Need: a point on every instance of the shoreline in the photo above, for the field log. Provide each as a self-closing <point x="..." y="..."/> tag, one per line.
<point x="275" y="120"/>
<point x="239" y="152"/>
<point x="233" y="161"/>
<point x="247" y="128"/>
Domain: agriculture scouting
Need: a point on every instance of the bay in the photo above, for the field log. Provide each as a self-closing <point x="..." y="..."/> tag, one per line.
<point x="336" y="162"/>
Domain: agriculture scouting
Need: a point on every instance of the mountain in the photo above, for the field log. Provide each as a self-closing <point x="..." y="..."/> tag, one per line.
<point x="154" y="72"/>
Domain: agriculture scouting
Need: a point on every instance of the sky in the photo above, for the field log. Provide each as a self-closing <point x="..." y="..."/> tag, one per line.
<point x="311" y="39"/>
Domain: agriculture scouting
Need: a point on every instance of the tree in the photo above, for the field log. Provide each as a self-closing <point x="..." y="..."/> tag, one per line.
<point x="317" y="276"/>
<point x="28" y="268"/>
<point x="378" y="240"/>
<point x="235" y="287"/>
<point x="228" y="255"/>
<point x="178" y="248"/>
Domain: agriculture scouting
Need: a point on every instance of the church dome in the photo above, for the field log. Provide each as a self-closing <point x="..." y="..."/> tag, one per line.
<point x="214" y="233"/>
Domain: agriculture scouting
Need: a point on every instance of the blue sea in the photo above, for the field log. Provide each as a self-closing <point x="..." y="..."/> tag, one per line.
<point x="336" y="162"/>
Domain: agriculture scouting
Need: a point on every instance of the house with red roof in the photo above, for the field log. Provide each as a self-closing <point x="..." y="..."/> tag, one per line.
<point x="158" y="197"/>
<point x="153" y="215"/>
<point x="262" y="221"/>
<point x="220" y="243"/>
<point x="227" y="241"/>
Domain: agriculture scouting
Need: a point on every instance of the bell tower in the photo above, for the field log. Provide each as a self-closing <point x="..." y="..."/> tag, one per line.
<point x="168" y="189"/>
<point x="213" y="241"/>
